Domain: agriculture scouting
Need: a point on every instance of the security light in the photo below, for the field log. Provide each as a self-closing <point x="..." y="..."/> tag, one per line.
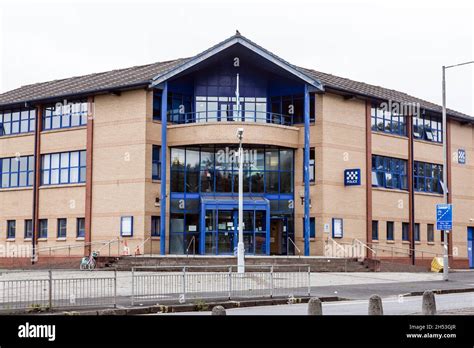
<point x="240" y="133"/>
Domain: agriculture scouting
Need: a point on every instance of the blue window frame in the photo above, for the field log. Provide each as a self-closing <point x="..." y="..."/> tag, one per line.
<point x="43" y="228"/>
<point x="80" y="227"/>
<point x="126" y="226"/>
<point x="428" y="127"/>
<point x="65" y="115"/>
<point x="387" y="121"/>
<point x="430" y="233"/>
<point x="17" y="121"/>
<point x="28" y="229"/>
<point x="428" y="177"/>
<point x="16" y="171"/>
<point x="63" y="168"/>
<point x="211" y="169"/>
<point x="62" y="228"/>
<point x="11" y="229"/>
<point x="375" y="230"/>
<point x="155" y="226"/>
<point x="156" y="163"/>
<point x="292" y="107"/>
<point x="389" y="172"/>
<point x="390" y="229"/>
<point x="405" y="231"/>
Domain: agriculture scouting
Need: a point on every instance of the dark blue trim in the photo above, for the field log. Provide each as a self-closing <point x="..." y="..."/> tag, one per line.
<point x="164" y="146"/>
<point x="306" y="171"/>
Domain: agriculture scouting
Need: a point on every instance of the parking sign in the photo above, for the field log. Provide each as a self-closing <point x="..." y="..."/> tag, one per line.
<point x="444" y="217"/>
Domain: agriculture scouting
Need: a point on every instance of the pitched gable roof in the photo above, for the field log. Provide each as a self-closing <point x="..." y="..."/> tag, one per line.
<point x="144" y="75"/>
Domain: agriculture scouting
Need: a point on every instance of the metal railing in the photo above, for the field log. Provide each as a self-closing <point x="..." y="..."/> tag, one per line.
<point x="50" y="251"/>
<point x="190" y="283"/>
<point x="193" y="242"/>
<point x="394" y="251"/>
<point x="231" y="116"/>
<point x="294" y="245"/>
<point x="49" y="292"/>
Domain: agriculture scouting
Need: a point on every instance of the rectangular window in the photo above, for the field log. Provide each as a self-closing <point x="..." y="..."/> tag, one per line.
<point x="390" y="230"/>
<point x="430" y="233"/>
<point x="28" y="229"/>
<point x="157" y="105"/>
<point x="405" y="231"/>
<point x="62" y="228"/>
<point x="16" y="172"/>
<point x="155" y="226"/>
<point x="416" y="232"/>
<point x="156" y="163"/>
<point x="63" y="168"/>
<point x="389" y="172"/>
<point x="428" y="177"/>
<point x="11" y="229"/>
<point x="80" y="227"/>
<point x="442" y="236"/>
<point x="17" y="121"/>
<point x="43" y="228"/>
<point x="312" y="164"/>
<point x="312" y="227"/>
<point x="428" y="127"/>
<point x="387" y="121"/>
<point x="63" y="115"/>
<point x="126" y="226"/>
<point x="375" y="230"/>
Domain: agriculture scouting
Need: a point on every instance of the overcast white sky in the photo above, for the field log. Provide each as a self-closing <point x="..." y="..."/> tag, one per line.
<point x="399" y="44"/>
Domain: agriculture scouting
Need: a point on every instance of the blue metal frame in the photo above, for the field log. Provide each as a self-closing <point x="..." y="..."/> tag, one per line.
<point x="48" y="116"/>
<point x="58" y="228"/>
<point x="25" y="124"/>
<point x="8" y="174"/>
<point x="423" y="174"/>
<point x="306" y="170"/>
<point x="48" y="171"/>
<point x="164" y="145"/>
<point x="470" y="246"/>
<point x="230" y="205"/>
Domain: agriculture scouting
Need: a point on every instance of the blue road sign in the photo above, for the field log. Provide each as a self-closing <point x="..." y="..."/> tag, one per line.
<point x="444" y="217"/>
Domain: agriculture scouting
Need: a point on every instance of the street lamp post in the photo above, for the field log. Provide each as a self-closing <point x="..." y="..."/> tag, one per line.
<point x="240" y="245"/>
<point x="445" y="170"/>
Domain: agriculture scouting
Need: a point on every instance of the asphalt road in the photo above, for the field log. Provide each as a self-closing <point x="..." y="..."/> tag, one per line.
<point x="452" y="303"/>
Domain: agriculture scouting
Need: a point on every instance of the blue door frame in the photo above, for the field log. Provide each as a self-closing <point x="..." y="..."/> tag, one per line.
<point x="232" y="205"/>
<point x="470" y="238"/>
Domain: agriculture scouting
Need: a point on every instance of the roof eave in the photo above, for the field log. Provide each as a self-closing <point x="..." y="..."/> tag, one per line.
<point x="159" y="79"/>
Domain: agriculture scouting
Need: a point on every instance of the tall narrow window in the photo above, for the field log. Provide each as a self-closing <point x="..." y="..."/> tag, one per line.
<point x="43" y="228"/>
<point x="156" y="163"/>
<point x="375" y="230"/>
<point x="28" y="229"/>
<point x="312" y="164"/>
<point x="390" y="230"/>
<point x="416" y="232"/>
<point x="80" y="227"/>
<point x="11" y="229"/>
<point x="430" y="233"/>
<point x="62" y="228"/>
<point x="405" y="231"/>
<point x="312" y="227"/>
<point x="155" y="226"/>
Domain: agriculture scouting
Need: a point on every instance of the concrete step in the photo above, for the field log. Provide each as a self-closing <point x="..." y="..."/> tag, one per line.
<point x="317" y="264"/>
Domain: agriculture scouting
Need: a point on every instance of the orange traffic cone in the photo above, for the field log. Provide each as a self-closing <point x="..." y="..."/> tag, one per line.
<point x="126" y="249"/>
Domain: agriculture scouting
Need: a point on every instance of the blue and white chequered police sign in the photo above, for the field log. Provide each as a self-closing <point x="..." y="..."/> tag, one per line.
<point x="351" y="177"/>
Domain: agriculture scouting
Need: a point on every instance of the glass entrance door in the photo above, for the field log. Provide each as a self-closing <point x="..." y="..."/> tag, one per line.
<point x="221" y="231"/>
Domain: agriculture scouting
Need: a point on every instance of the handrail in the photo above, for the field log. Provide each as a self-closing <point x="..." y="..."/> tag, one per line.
<point x="231" y="116"/>
<point x="382" y="247"/>
<point x="338" y="245"/>
<point x="193" y="241"/>
<point x="75" y="245"/>
<point x="364" y="245"/>
<point x="141" y="245"/>
<point x="298" y="249"/>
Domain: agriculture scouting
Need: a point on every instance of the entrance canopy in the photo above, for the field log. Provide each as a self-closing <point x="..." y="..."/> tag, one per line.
<point x="232" y="202"/>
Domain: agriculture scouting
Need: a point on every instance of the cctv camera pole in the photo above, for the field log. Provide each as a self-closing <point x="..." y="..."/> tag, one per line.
<point x="240" y="245"/>
<point x="445" y="170"/>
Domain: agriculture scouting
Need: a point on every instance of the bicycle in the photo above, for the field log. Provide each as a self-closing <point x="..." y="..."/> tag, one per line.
<point x="89" y="262"/>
